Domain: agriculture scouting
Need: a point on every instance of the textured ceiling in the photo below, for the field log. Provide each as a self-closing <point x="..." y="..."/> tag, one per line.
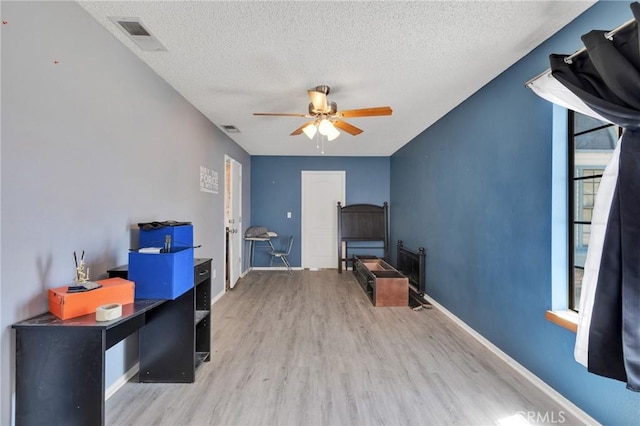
<point x="233" y="58"/>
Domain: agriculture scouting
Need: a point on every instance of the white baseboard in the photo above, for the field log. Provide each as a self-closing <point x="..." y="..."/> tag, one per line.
<point x="275" y="268"/>
<point x="217" y="297"/>
<point x="121" y="381"/>
<point x="535" y="380"/>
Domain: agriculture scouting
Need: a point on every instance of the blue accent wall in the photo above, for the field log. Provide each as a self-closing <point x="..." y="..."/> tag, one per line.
<point x="276" y="189"/>
<point x="475" y="190"/>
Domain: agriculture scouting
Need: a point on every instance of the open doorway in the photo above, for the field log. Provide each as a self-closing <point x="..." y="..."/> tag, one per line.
<point x="232" y="221"/>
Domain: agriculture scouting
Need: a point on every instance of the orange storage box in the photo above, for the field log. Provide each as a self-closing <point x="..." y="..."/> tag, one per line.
<point x="69" y="305"/>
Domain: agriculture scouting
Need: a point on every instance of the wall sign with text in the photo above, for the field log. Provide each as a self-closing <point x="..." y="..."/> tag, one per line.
<point x="208" y="180"/>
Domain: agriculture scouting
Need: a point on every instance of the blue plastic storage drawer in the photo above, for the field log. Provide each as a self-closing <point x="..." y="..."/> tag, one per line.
<point x="181" y="236"/>
<point x="161" y="275"/>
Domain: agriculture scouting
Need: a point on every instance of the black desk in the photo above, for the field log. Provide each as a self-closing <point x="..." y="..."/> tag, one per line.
<point x="60" y="364"/>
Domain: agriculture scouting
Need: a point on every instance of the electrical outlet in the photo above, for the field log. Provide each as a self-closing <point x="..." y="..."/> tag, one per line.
<point x="288" y="215"/>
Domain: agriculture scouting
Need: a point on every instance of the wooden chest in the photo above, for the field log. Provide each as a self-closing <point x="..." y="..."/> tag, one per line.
<point x="382" y="283"/>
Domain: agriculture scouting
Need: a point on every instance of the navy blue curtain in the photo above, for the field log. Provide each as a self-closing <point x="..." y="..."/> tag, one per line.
<point x="607" y="79"/>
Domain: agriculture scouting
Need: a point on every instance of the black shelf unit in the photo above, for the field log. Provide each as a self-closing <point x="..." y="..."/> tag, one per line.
<point x="202" y="315"/>
<point x="184" y="323"/>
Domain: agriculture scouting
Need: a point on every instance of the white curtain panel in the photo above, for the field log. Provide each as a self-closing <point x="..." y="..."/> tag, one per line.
<point x="547" y="87"/>
<point x="550" y="89"/>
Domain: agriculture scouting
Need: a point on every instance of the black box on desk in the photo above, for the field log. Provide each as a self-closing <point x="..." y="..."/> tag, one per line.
<point x="161" y="275"/>
<point x="181" y="236"/>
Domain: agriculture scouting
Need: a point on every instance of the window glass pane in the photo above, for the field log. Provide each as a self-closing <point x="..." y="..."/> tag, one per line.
<point x="592" y="142"/>
<point x="586" y="233"/>
<point x="588" y="172"/>
<point x="577" y="286"/>
<point x="579" y="249"/>
<point x="587" y="201"/>
<point x="576" y="202"/>
<point x="582" y="123"/>
<point x="589" y="163"/>
<point x="601" y="139"/>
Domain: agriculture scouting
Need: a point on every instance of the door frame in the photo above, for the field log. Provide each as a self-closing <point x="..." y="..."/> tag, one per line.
<point x="343" y="175"/>
<point x="228" y="184"/>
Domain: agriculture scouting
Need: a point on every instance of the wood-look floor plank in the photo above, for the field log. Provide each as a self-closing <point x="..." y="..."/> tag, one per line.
<point x="309" y="348"/>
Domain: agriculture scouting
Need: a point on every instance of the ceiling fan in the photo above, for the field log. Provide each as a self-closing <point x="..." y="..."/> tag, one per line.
<point x="326" y="117"/>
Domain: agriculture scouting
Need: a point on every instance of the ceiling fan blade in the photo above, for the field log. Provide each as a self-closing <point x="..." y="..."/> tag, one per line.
<point x="343" y="125"/>
<point x="366" y="112"/>
<point x="319" y="100"/>
<point x="279" y="114"/>
<point x="298" y="131"/>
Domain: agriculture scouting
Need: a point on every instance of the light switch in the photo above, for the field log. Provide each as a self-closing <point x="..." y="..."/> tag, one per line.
<point x="288" y="215"/>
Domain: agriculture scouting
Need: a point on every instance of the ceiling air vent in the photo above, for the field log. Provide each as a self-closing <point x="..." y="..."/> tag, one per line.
<point x="229" y="128"/>
<point x="134" y="28"/>
<point x="138" y="33"/>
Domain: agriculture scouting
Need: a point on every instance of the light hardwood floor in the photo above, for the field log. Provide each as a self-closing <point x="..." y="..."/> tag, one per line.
<point x="310" y="349"/>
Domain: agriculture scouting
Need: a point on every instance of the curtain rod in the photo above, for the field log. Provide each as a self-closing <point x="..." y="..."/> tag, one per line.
<point x="568" y="59"/>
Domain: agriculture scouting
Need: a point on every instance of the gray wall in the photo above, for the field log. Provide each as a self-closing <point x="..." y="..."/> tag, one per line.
<point x="90" y="147"/>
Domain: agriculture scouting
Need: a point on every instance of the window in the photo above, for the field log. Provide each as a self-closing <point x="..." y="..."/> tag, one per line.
<point x="591" y="144"/>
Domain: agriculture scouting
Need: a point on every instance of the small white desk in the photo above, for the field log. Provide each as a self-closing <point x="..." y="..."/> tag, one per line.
<point x="252" y="243"/>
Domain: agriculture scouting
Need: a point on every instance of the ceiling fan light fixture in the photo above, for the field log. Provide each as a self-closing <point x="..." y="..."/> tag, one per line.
<point x="325" y="127"/>
<point x="310" y="130"/>
<point x="334" y="133"/>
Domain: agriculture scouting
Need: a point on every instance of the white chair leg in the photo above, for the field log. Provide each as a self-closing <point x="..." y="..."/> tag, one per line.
<point x="286" y="262"/>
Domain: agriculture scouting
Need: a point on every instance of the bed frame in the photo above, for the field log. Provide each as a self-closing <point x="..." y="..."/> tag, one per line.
<point x="412" y="265"/>
<point x="363" y="223"/>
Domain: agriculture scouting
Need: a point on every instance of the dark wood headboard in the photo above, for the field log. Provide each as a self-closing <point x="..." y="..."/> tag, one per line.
<point x="412" y="265"/>
<point x="362" y="222"/>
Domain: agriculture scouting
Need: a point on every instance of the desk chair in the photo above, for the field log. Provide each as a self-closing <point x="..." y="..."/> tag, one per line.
<point x="282" y="254"/>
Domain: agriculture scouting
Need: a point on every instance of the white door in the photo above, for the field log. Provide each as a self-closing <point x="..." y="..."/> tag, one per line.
<point x="233" y="220"/>
<point x="321" y="191"/>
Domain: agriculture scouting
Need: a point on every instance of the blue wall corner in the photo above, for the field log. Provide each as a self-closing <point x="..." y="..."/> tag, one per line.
<point x="475" y="189"/>
<point x="276" y="189"/>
